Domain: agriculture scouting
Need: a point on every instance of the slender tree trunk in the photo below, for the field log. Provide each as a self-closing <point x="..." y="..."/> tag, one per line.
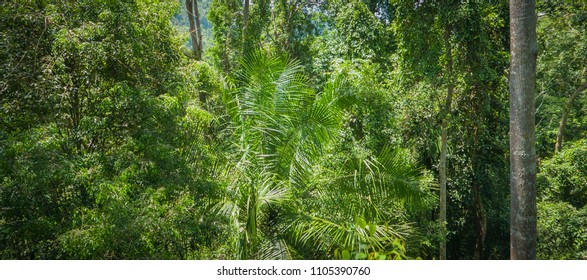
<point x="246" y="13"/>
<point x="198" y="29"/>
<point x="477" y="170"/>
<point x="245" y="25"/>
<point x="561" y="128"/>
<point x="196" y="45"/>
<point x="475" y="150"/>
<point x="480" y="220"/>
<point x="523" y="52"/>
<point x="442" y="175"/>
<point x="444" y="141"/>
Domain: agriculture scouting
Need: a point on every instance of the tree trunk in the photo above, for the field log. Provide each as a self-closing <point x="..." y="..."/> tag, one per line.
<point x="523" y="52"/>
<point x="476" y="151"/>
<point x="246" y="13"/>
<point x="442" y="175"/>
<point x="561" y="128"/>
<point x="444" y="142"/>
<point x="196" y="45"/>
<point x="198" y="29"/>
<point x="245" y="47"/>
<point x="480" y="220"/>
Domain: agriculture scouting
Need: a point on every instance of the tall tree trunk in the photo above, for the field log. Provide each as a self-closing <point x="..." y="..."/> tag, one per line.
<point x="196" y="44"/>
<point x="444" y="141"/>
<point x="523" y="52"/>
<point x="561" y="128"/>
<point x="198" y="29"/>
<point x="246" y="14"/>
<point x="480" y="219"/>
<point x="442" y="175"/>
<point x="475" y="151"/>
<point x="245" y="25"/>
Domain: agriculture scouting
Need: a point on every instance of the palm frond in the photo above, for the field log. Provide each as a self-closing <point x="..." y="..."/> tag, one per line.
<point x="324" y="233"/>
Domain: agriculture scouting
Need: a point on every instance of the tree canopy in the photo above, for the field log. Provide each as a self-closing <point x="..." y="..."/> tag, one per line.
<point x="284" y="129"/>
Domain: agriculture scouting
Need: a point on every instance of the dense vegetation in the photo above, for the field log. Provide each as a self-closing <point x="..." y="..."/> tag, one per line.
<point x="285" y="130"/>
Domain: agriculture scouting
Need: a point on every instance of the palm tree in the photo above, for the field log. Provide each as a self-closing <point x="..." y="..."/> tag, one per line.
<point x="279" y="126"/>
<point x="283" y="190"/>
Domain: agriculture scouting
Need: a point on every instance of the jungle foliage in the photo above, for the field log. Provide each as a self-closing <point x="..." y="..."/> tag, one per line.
<point x="305" y="129"/>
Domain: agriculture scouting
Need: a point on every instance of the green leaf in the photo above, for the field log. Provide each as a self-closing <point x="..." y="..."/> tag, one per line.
<point x="372" y="229"/>
<point x="360" y="222"/>
<point x="346" y="255"/>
